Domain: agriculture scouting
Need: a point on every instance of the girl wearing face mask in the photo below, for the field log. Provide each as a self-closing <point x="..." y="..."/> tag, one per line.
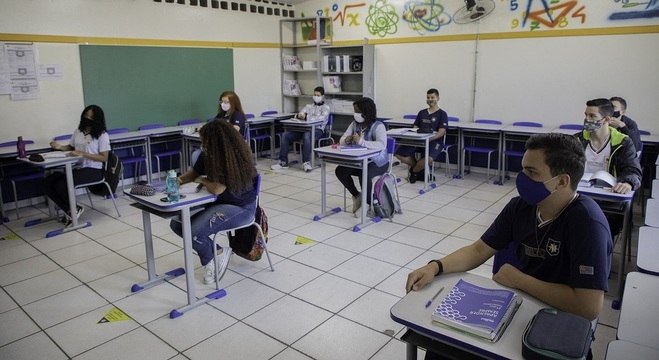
<point x="91" y="141"/>
<point x="367" y="131"/>
<point x="231" y="111"/>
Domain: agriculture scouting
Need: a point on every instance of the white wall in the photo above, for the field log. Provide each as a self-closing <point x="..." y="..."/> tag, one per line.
<point x="57" y="110"/>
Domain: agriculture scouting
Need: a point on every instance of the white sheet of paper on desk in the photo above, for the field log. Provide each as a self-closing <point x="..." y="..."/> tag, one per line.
<point x="55" y="154"/>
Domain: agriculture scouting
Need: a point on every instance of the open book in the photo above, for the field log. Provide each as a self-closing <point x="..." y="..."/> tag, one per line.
<point x="55" y="154"/>
<point x="477" y="311"/>
<point x="599" y="179"/>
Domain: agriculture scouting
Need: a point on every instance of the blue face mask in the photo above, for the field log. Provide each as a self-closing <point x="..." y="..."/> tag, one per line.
<point x="531" y="191"/>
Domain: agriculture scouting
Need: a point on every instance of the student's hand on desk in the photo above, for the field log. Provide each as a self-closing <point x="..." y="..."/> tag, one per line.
<point x="420" y="277"/>
<point x="301" y="116"/>
<point x="507" y="276"/>
<point x="621" y="188"/>
<point x="55" y="145"/>
<point x="76" y="153"/>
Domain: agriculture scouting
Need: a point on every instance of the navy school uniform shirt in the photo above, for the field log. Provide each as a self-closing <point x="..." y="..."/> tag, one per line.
<point x="573" y="249"/>
<point x="236" y="118"/>
<point x="241" y="199"/>
<point x="435" y="121"/>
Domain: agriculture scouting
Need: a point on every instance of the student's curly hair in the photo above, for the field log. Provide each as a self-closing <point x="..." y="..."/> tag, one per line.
<point x="227" y="158"/>
<point x="99" y="121"/>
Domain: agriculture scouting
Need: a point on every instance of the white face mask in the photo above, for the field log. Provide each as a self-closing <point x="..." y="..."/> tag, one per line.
<point x="359" y="118"/>
<point x="226" y="106"/>
<point x="317" y="99"/>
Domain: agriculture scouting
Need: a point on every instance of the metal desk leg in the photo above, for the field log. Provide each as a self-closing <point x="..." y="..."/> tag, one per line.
<point x="621" y="266"/>
<point x="323" y="194"/>
<point x="426" y="170"/>
<point x="189" y="271"/>
<point x="461" y="162"/>
<point x="68" y="169"/>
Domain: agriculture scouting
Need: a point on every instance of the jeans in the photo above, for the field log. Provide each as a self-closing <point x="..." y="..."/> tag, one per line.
<point x="54" y="185"/>
<point x="211" y="220"/>
<point x="291" y="136"/>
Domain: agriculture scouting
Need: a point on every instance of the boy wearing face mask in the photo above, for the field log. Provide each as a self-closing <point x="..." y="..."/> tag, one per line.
<point x="311" y="112"/>
<point x="561" y="242"/>
<point x="621" y="122"/>
<point x="432" y="118"/>
<point x="608" y="149"/>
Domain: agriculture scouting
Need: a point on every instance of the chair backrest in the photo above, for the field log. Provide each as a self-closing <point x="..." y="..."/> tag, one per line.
<point x="644" y="132"/>
<point x="249" y="116"/>
<point x="527" y="123"/>
<point x="328" y="128"/>
<point x="409" y="116"/>
<point x="257" y="186"/>
<point x="391" y="145"/>
<point x="62" y="137"/>
<point x="453" y="118"/>
<point x="13" y="143"/>
<point x="268" y="112"/>
<point x="571" y="126"/>
<point x="118" y="131"/>
<point x="150" y="126"/>
<point x="488" y="121"/>
<point x="189" y="122"/>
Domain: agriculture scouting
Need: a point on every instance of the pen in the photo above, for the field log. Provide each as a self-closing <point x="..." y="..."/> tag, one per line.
<point x="199" y="186"/>
<point x="434" y="297"/>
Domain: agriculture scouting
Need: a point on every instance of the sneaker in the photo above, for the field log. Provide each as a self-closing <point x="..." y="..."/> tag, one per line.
<point x="279" y="166"/>
<point x="307" y="167"/>
<point x="412" y="177"/>
<point x="79" y="211"/>
<point x="396" y="162"/>
<point x="356" y="203"/>
<point x="223" y="263"/>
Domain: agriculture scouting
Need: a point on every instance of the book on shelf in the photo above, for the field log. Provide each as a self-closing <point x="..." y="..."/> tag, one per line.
<point x="352" y="147"/>
<point x="332" y="84"/>
<point x="600" y="178"/>
<point x="291" y="62"/>
<point x="478" y="311"/>
<point x="292" y="88"/>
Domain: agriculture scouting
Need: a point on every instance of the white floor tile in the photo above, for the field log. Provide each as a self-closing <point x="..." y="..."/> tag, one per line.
<point x="36" y="346"/>
<point x="99" y="267"/>
<point x="291" y="354"/>
<point x="25" y="269"/>
<point x="287" y="319"/>
<point x="152" y="303"/>
<point x="19" y="250"/>
<point x="339" y="338"/>
<point x="142" y="345"/>
<point x="78" y="253"/>
<point x="393" y="252"/>
<point x="354" y="242"/>
<point x="330" y="292"/>
<point x="85" y="332"/>
<point x="288" y="276"/>
<point x="41" y="286"/>
<point x="322" y="257"/>
<point x="64" y="306"/>
<point x="372" y="310"/>
<point x="21" y="326"/>
<point x="6" y="302"/>
<point x="260" y="346"/>
<point x="364" y="270"/>
<point x="246" y="297"/>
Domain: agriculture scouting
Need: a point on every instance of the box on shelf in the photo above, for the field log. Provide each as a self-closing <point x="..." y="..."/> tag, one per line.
<point x="332" y="84"/>
<point x="309" y="65"/>
<point x="291" y="62"/>
<point x="292" y="88"/>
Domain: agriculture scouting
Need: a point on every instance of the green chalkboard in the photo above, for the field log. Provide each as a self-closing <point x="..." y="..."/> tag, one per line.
<point x="137" y="85"/>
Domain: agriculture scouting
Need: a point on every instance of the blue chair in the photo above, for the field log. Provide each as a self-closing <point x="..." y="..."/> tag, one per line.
<point x="512" y="151"/>
<point x="220" y="269"/>
<point x="167" y="152"/>
<point x="259" y="135"/>
<point x="481" y="149"/>
<point x="447" y="145"/>
<point x="131" y="158"/>
<point x="644" y="132"/>
<point x="20" y="174"/>
<point x="189" y="122"/>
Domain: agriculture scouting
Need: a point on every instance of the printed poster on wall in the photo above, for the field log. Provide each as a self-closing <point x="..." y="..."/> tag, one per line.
<point x="5" y="83"/>
<point x="22" y="72"/>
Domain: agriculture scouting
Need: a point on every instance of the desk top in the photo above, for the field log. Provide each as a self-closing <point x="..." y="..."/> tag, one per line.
<point x="604" y="193"/>
<point x="411" y="312"/>
<point x="480" y="126"/>
<point x="280" y="116"/>
<point x="261" y="120"/>
<point x="406" y="133"/>
<point x="192" y="198"/>
<point x="12" y="152"/>
<point x="639" y="314"/>
<point x="301" y="122"/>
<point x="50" y="162"/>
<point x="525" y="130"/>
<point x="650" y="139"/>
<point x="335" y="152"/>
<point x="624" y="350"/>
<point x="652" y="212"/>
<point x="648" y="250"/>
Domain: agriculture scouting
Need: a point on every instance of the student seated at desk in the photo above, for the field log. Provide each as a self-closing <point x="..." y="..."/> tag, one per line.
<point x="367" y="131"/>
<point x="623" y="123"/>
<point x="311" y="112"/>
<point x="91" y="141"/>
<point x="560" y="239"/>
<point x="231" y="111"/>
<point x="226" y="169"/>
<point x="608" y="149"/>
<point x="431" y="119"/>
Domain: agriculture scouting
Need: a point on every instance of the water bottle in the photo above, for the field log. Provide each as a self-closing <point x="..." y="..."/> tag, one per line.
<point x="172" y="187"/>
<point x="20" y="147"/>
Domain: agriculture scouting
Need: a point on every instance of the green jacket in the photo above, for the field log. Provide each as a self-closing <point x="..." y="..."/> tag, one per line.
<point x="623" y="162"/>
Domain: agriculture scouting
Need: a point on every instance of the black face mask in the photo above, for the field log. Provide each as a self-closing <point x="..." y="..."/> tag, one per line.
<point x="85" y="122"/>
<point x="616" y="114"/>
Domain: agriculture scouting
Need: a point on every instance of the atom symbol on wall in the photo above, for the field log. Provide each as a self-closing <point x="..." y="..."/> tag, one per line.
<point x="425" y="15"/>
<point x="382" y="19"/>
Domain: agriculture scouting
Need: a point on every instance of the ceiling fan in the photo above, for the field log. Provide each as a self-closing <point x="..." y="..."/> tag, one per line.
<point x="473" y="10"/>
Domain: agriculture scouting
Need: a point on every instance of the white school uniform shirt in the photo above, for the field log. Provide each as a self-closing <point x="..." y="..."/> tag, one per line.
<point x="82" y="142"/>
<point x="596" y="161"/>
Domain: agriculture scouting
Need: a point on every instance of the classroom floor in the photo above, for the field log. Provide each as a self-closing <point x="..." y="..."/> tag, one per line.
<point x="329" y="297"/>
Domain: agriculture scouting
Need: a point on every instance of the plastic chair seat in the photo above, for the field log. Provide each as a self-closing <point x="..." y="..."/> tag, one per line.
<point x="481" y="149"/>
